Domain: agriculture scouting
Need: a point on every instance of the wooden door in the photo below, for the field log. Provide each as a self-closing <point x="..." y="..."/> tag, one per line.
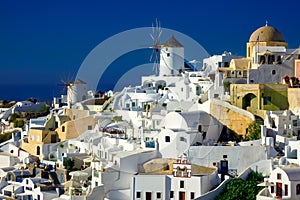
<point x="279" y="189"/>
<point x="181" y="195"/>
<point x="148" y="195"/>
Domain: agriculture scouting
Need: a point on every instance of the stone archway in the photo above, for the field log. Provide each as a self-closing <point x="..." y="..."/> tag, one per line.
<point x="247" y="99"/>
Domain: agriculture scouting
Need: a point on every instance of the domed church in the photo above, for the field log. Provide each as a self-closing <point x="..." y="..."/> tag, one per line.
<point x="265" y="36"/>
<point x="268" y="59"/>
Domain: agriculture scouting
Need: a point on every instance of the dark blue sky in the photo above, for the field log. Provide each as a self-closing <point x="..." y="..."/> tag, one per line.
<point x="42" y="41"/>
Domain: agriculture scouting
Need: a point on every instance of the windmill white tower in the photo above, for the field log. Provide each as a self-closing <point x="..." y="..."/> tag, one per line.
<point x="77" y="91"/>
<point x="171" y="58"/>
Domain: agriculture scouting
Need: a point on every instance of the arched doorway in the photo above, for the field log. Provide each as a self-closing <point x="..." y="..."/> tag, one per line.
<point x="247" y="100"/>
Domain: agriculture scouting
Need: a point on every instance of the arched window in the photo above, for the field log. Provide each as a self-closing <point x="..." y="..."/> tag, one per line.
<point x="38" y="150"/>
<point x="262" y="60"/>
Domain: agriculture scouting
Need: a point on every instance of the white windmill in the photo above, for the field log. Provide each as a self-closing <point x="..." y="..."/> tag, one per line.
<point x="171" y="57"/>
<point x="76" y="90"/>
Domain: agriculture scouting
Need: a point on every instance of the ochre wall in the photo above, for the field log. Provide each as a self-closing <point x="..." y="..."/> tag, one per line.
<point x="235" y="121"/>
<point x="294" y="98"/>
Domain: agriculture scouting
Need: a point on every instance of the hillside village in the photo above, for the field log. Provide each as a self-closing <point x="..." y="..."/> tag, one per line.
<point x="182" y="134"/>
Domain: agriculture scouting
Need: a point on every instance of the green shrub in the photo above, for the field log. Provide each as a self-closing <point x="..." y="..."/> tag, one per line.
<point x="237" y="188"/>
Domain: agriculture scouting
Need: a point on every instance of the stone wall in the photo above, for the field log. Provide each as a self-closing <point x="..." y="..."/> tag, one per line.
<point x="234" y="118"/>
<point x="294" y="98"/>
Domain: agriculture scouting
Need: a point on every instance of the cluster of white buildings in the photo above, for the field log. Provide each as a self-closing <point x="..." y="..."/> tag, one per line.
<point x="159" y="140"/>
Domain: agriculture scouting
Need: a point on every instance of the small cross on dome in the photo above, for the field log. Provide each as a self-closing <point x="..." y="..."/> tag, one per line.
<point x="266" y="22"/>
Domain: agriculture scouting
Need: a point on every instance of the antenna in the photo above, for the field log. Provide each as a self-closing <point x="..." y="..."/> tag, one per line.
<point x="194" y="62"/>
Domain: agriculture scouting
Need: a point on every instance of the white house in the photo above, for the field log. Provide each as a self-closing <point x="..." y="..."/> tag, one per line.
<point x="283" y="183"/>
<point x="292" y="152"/>
<point x="181" y="130"/>
<point x="283" y="122"/>
<point x="181" y="182"/>
<point x="212" y="63"/>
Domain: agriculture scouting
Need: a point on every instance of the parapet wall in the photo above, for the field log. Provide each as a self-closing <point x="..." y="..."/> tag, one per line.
<point x="231" y="116"/>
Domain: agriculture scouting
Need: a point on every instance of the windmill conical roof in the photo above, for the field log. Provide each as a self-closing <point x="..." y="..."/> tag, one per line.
<point x="172" y="42"/>
<point x="78" y="81"/>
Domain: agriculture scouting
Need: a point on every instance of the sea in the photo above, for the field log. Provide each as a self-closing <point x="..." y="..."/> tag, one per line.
<point x="23" y="92"/>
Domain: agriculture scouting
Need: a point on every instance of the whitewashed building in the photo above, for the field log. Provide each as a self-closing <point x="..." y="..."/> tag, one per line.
<point x="180" y="184"/>
<point x="283" y="183"/>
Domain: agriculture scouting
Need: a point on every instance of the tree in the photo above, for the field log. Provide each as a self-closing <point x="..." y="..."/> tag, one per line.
<point x="4" y="137"/>
<point x="237" y="188"/>
<point x="69" y="164"/>
<point x="117" y="119"/>
<point x="253" y="132"/>
<point x="13" y="117"/>
<point x="226" y="85"/>
<point x="19" y="123"/>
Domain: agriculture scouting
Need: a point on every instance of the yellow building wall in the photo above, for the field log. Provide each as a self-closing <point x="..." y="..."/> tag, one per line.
<point x="72" y="129"/>
<point x="277" y="93"/>
<point x="250" y="45"/>
<point x="76" y="113"/>
<point x="35" y="137"/>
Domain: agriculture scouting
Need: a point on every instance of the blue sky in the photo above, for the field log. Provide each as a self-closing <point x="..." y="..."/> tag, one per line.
<point x="42" y="41"/>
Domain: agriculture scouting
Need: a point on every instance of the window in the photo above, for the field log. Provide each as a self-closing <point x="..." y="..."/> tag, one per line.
<point x="38" y="197"/>
<point x="251" y="81"/>
<point x="171" y="194"/>
<point x="168" y="54"/>
<point x="192" y="195"/>
<point x="267" y="100"/>
<point x="63" y="128"/>
<point x="286" y="190"/>
<point x="27" y="182"/>
<point x="90" y="127"/>
<point x="272" y="187"/>
<point x="158" y="195"/>
<point x="226" y="64"/>
<point x="96" y="183"/>
<point x="295" y="123"/>
<point x="279" y="59"/>
<point x="298" y="189"/>
<point x="262" y="60"/>
<point x="138" y="194"/>
<point x="278" y="176"/>
<point x="182" y="139"/>
<point x="167" y="139"/>
<point x="181" y="184"/>
<point x="273" y="72"/>
<point x="9" y="177"/>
